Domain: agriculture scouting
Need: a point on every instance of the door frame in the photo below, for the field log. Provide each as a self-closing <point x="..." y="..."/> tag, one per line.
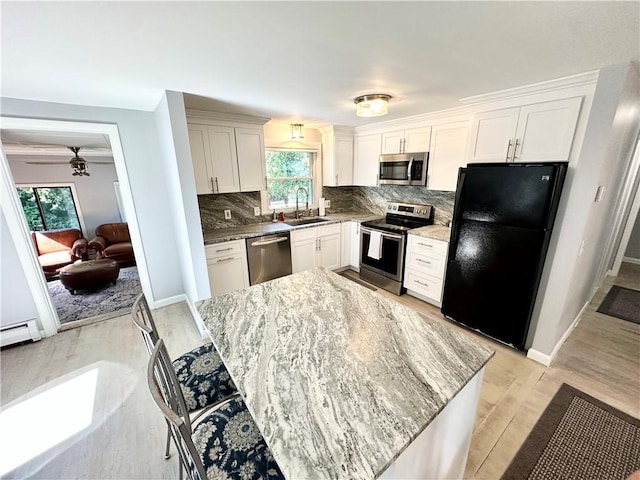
<point x="12" y="210"/>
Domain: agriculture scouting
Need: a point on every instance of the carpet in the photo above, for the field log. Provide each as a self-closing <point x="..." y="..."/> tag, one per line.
<point x="578" y="437"/>
<point x="622" y="303"/>
<point x="106" y="302"/>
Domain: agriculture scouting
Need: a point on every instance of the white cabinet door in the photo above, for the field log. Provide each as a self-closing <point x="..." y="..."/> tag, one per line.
<point x="392" y="142"/>
<point x="343" y="159"/>
<point x="222" y="146"/>
<point x="303" y="255"/>
<point x="355" y="245"/>
<point x="446" y="155"/>
<point x="545" y="131"/>
<point x="201" y="159"/>
<point x="492" y="135"/>
<point x="251" y="161"/>
<point x="329" y="252"/>
<point x="416" y="140"/>
<point x="345" y="253"/>
<point x="366" y="163"/>
<point x="227" y="274"/>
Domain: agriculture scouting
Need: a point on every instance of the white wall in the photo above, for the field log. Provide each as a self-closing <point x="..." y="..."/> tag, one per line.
<point x="172" y="131"/>
<point x="96" y="194"/>
<point x="149" y="183"/>
<point x="605" y="153"/>
<point x="633" y="248"/>
<point x="16" y="302"/>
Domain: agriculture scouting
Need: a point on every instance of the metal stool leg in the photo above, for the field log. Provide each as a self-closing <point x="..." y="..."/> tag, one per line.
<point x="167" y="455"/>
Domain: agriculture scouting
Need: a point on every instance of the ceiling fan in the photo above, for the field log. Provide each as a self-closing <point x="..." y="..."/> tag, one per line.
<point x="78" y="164"/>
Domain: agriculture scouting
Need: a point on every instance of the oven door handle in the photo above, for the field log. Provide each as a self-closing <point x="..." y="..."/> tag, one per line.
<point x="384" y="234"/>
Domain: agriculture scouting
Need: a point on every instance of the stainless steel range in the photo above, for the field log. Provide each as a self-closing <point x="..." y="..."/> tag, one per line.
<point x="383" y="244"/>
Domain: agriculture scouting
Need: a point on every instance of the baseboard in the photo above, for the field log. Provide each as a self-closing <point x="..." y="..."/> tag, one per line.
<point x="635" y="261"/>
<point x="163" y="302"/>
<point x="545" y="359"/>
<point x="199" y="322"/>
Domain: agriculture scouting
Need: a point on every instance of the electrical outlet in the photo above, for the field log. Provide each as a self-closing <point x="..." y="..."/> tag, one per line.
<point x="256" y="211"/>
<point x="227" y="214"/>
<point x="327" y="204"/>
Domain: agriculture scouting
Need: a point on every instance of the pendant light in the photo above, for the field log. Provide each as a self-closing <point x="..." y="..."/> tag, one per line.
<point x="78" y="164"/>
<point x="296" y="131"/>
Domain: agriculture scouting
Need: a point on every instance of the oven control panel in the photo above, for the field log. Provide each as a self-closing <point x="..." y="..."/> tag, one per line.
<point x="410" y="210"/>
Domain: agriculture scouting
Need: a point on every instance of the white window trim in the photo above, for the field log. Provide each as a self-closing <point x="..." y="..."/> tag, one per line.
<point x="74" y="194"/>
<point x="316" y="173"/>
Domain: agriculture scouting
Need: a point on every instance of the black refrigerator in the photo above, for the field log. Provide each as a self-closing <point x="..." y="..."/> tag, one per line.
<point x="502" y="221"/>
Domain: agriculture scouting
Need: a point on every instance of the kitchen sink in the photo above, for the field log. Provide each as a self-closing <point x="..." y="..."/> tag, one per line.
<point x="305" y="221"/>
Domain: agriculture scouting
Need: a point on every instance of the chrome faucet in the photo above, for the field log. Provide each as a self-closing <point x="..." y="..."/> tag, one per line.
<point x="307" y="198"/>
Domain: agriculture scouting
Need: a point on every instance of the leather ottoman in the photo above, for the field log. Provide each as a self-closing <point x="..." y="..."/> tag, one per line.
<point x="89" y="275"/>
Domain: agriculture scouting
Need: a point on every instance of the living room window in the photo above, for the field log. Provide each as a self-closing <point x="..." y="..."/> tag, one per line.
<point x="288" y="170"/>
<point x="49" y="207"/>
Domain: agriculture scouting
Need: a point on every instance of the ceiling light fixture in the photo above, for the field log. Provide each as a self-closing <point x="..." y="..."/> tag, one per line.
<point x="78" y="164"/>
<point x="296" y="131"/>
<point x="373" y="105"/>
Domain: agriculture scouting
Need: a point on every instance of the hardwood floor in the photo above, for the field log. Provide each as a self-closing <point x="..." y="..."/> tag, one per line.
<point x="100" y="368"/>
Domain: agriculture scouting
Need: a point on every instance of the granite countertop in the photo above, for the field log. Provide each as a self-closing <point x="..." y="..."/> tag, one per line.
<point x="339" y="379"/>
<point x="436" y="232"/>
<point x="258" y="229"/>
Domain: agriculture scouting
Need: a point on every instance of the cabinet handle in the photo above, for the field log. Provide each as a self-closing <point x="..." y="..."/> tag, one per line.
<point x="421" y="283"/>
<point x="509" y="149"/>
<point x="266" y="185"/>
<point x="423" y="261"/>
<point x="425" y="245"/>
<point x="213" y="187"/>
<point x="225" y="259"/>
<point x="336" y="179"/>
<point x="224" y="249"/>
<point x="515" y="149"/>
<point x="217" y="187"/>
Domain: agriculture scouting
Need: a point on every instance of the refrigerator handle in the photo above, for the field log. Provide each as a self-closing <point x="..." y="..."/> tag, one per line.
<point x="457" y="209"/>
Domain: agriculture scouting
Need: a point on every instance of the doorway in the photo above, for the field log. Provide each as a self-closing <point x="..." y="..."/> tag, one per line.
<point x="49" y="314"/>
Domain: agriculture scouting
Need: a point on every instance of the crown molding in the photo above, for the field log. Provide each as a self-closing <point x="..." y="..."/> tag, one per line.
<point x="581" y="79"/>
<point x="195" y="114"/>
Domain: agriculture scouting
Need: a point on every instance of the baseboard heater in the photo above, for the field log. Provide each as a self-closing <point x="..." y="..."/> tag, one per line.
<point x="19" y="332"/>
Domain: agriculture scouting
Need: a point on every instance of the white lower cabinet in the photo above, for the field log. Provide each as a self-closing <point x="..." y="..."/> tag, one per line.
<point x="425" y="265"/>
<point x="316" y="247"/>
<point x="350" y="255"/>
<point x="227" y="266"/>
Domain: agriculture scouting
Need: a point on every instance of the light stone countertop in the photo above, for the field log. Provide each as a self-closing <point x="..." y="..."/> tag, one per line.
<point x="258" y="229"/>
<point x="437" y="232"/>
<point x="339" y="379"/>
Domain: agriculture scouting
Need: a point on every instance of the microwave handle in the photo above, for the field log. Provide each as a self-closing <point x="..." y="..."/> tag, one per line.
<point x="409" y="169"/>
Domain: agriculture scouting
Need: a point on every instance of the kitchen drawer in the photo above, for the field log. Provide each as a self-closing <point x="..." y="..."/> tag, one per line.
<point x="426" y="262"/>
<point x="303" y="234"/>
<point x="331" y="229"/>
<point x="224" y="249"/>
<point x="428" y="246"/>
<point x="426" y="285"/>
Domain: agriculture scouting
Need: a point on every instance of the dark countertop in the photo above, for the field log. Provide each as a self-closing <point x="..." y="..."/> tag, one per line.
<point x="259" y="229"/>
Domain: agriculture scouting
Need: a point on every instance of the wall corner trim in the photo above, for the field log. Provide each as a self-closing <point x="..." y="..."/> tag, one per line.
<point x="539" y="357"/>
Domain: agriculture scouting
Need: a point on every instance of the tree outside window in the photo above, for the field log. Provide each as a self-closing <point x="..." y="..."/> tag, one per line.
<point x="49" y="208"/>
<point x="286" y="172"/>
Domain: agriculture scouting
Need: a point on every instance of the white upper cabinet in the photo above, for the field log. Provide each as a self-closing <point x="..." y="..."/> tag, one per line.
<point x="447" y="155"/>
<point x="337" y="156"/>
<point x="537" y="132"/>
<point x="224" y="159"/>
<point x="366" y="161"/>
<point x="228" y="154"/>
<point x="409" y="140"/>
<point x="251" y="161"/>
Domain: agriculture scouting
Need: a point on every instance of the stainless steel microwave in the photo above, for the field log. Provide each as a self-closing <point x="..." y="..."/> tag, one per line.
<point x="403" y="169"/>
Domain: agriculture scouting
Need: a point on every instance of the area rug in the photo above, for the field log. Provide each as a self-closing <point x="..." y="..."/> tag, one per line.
<point x="622" y="303"/>
<point x="106" y="302"/>
<point x="578" y="437"/>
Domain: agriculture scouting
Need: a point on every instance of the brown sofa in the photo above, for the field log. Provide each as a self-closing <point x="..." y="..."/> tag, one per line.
<point x="58" y="248"/>
<point x="112" y="241"/>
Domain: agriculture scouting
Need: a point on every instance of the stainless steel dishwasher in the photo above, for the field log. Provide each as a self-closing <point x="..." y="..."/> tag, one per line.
<point x="269" y="257"/>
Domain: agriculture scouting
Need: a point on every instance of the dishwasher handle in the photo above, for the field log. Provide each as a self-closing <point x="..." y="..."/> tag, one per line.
<point x="262" y="243"/>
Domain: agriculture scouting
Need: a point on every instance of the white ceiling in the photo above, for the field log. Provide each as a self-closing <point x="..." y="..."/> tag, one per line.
<point x="303" y="61"/>
<point x="30" y="143"/>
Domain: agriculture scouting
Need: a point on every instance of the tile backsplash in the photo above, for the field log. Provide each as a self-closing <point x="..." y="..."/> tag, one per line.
<point x="343" y="199"/>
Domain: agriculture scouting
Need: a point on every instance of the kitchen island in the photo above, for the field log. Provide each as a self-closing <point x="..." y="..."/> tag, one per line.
<point x="344" y="383"/>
